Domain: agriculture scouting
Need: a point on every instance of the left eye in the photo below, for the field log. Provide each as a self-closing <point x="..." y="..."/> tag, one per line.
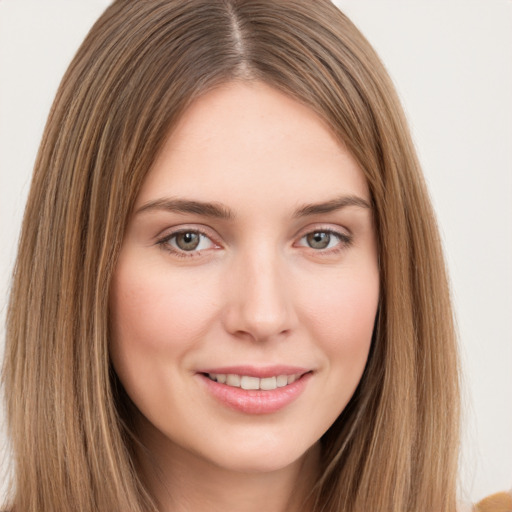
<point x="188" y="241"/>
<point x="321" y="240"/>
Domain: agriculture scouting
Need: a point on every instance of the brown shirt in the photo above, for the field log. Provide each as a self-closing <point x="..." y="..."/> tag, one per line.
<point x="500" y="502"/>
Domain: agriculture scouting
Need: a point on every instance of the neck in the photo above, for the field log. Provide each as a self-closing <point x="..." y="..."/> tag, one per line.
<point x="182" y="481"/>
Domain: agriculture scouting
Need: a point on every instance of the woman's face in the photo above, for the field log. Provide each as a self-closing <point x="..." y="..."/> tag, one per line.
<point x="244" y="298"/>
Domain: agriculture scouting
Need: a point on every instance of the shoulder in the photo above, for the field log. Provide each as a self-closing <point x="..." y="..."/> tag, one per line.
<point x="500" y="502"/>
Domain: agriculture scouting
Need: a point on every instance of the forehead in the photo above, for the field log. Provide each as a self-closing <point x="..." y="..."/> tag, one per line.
<point x="247" y="137"/>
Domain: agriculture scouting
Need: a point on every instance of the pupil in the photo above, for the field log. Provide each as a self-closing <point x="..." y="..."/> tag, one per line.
<point x="319" y="240"/>
<point x="187" y="241"/>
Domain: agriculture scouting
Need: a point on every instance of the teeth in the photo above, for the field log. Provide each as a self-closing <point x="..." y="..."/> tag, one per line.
<point x="249" y="382"/>
<point x="282" y="380"/>
<point x="233" y="380"/>
<point x="268" y="383"/>
<point x="254" y="383"/>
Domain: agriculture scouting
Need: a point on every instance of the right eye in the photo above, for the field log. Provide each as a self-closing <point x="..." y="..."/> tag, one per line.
<point x="186" y="242"/>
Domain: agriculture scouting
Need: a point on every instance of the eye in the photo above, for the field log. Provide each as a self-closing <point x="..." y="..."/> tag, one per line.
<point x="322" y="240"/>
<point x="186" y="241"/>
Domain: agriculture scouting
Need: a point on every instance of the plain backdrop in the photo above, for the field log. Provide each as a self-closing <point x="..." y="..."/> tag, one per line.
<point x="452" y="64"/>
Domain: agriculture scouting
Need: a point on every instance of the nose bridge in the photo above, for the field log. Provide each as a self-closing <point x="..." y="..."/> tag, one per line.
<point x="259" y="301"/>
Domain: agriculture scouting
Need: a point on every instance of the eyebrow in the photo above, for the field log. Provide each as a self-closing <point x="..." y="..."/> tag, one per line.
<point x="215" y="210"/>
<point x="330" y="206"/>
<point x="219" y="211"/>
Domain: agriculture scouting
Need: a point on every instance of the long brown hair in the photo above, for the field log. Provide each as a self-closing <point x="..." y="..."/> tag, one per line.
<point x="395" y="446"/>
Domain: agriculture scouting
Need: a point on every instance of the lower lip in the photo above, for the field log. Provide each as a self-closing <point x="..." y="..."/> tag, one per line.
<point x="251" y="401"/>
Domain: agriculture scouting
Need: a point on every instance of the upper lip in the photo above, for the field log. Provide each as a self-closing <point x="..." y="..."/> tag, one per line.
<point x="254" y="371"/>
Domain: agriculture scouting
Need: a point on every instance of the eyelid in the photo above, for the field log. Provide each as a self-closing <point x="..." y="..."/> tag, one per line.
<point x="163" y="240"/>
<point x="344" y="236"/>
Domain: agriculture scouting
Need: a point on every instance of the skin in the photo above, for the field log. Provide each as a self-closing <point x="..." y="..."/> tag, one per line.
<point x="254" y="292"/>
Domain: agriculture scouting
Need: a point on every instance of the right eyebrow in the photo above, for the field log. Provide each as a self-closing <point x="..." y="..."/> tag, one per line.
<point x="188" y="206"/>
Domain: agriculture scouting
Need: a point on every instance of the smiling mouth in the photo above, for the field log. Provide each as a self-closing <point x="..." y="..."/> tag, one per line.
<point x="251" y="390"/>
<point x="254" y="383"/>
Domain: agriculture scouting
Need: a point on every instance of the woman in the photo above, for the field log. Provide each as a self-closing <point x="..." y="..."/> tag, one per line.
<point x="227" y="197"/>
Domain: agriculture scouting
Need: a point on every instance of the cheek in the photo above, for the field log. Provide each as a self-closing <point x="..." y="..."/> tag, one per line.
<point x="341" y="321"/>
<point x="345" y="310"/>
<point x="339" y="312"/>
<point x="155" y="320"/>
<point x="154" y="309"/>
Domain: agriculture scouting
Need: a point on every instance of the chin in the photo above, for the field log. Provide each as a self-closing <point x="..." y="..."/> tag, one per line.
<point x="273" y="458"/>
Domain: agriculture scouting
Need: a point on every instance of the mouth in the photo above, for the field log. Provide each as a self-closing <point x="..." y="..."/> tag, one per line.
<point x="256" y="391"/>
<point x="249" y="382"/>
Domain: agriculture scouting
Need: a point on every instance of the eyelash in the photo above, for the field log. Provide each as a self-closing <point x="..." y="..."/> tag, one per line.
<point x="164" y="243"/>
<point x="345" y="241"/>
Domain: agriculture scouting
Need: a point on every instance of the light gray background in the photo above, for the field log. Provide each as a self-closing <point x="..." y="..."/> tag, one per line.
<point x="452" y="63"/>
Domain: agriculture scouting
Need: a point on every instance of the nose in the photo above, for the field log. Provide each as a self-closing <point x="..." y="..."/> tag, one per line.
<point x="259" y="298"/>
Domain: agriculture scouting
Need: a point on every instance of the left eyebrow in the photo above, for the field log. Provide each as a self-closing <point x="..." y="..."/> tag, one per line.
<point x="331" y="206"/>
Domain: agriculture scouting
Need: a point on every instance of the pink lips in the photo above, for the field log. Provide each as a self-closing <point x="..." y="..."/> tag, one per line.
<point x="256" y="401"/>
